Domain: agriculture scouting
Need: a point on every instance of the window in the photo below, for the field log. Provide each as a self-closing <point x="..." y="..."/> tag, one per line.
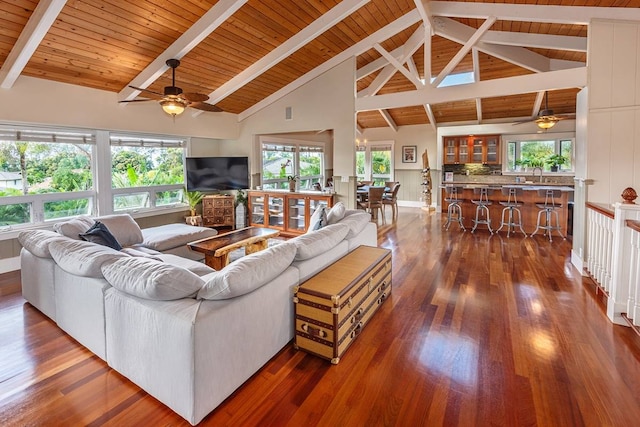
<point x="281" y="159"/>
<point x="523" y="152"/>
<point x="374" y="162"/>
<point x="45" y="175"/>
<point x="146" y="172"/>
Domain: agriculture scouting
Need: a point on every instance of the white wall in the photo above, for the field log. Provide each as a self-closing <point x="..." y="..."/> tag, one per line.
<point x="409" y="174"/>
<point x="613" y="136"/>
<point x="39" y="101"/>
<point x="327" y="102"/>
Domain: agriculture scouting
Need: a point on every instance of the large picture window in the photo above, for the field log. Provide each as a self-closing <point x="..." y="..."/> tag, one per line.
<point x="44" y="175"/>
<point x="374" y="162"/>
<point x="282" y="159"/>
<point x="145" y="172"/>
<point x="548" y="153"/>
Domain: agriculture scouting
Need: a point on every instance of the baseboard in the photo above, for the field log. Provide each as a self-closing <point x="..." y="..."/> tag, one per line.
<point x="578" y="263"/>
<point x="9" y="264"/>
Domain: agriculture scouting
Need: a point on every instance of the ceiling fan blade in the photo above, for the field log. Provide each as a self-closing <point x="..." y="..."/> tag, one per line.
<point x="137" y="100"/>
<point x="205" y="107"/>
<point x="146" y="90"/>
<point x="519" y="122"/>
<point x="195" y="97"/>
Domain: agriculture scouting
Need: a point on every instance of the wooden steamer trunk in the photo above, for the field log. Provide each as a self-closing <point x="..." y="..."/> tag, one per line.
<point x="332" y="307"/>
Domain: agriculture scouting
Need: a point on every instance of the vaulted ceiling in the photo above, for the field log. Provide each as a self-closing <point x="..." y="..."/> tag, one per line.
<point x="246" y="54"/>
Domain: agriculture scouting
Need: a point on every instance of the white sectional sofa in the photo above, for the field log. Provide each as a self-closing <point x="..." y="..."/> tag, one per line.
<point x="186" y="334"/>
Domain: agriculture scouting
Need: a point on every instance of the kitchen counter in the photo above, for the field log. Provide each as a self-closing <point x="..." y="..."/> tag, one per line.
<point x="530" y="197"/>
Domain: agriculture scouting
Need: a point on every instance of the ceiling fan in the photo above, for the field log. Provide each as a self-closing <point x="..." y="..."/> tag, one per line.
<point x="546" y="119"/>
<point x="173" y="100"/>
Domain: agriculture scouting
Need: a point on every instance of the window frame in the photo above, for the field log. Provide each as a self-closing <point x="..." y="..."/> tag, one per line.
<point x="517" y="140"/>
<point x="368" y="148"/>
<point x="296" y="145"/>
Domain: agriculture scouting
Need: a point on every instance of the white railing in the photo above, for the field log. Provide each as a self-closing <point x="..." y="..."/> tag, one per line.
<point x="599" y="244"/>
<point x="613" y="258"/>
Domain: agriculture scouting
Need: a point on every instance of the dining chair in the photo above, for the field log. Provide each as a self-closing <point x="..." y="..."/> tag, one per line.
<point x="374" y="202"/>
<point x="391" y="198"/>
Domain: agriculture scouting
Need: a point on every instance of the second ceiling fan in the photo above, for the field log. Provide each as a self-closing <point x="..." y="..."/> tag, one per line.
<point x="174" y="100"/>
<point x="546" y="119"/>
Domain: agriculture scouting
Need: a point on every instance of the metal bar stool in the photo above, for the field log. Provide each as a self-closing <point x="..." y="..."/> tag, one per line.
<point x="511" y="206"/>
<point x="547" y="208"/>
<point x="454" y="208"/>
<point x="482" y="207"/>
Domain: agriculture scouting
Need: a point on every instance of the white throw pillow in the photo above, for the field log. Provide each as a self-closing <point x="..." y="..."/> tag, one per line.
<point x="318" y="242"/>
<point x="357" y="221"/>
<point x="82" y="258"/>
<point x="318" y="219"/>
<point x="151" y="279"/>
<point x="248" y="273"/>
<point x="74" y="227"/>
<point x="336" y="213"/>
<point x="37" y="241"/>
<point x="197" y="268"/>
<point x="123" y="227"/>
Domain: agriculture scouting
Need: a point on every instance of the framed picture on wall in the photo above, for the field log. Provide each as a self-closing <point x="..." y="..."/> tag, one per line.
<point x="409" y="153"/>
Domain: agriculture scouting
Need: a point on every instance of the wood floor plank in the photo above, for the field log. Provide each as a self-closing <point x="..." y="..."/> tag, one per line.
<point x="478" y="330"/>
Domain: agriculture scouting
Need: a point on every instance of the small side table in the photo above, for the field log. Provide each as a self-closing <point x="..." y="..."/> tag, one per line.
<point x="194" y="220"/>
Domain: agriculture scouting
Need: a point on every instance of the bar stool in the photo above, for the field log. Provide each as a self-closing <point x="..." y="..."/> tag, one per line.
<point x="482" y="207"/>
<point x="547" y="208"/>
<point x="454" y="207"/>
<point x="511" y="206"/>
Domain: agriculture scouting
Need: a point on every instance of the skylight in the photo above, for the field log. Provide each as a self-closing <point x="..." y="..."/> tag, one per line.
<point x="455" y="79"/>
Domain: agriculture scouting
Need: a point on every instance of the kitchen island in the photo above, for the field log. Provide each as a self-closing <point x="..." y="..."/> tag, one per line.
<point x="530" y="196"/>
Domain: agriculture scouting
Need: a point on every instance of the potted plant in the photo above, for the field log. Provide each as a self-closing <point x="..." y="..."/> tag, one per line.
<point x="192" y="198"/>
<point x="555" y="161"/>
<point x="292" y="182"/>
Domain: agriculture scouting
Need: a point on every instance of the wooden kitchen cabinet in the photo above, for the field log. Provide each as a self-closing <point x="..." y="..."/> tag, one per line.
<point x="462" y="149"/>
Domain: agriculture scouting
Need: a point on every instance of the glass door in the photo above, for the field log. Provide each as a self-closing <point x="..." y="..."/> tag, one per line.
<point x="450" y="151"/>
<point x="492" y="149"/>
<point x="276" y="211"/>
<point x="463" y="150"/>
<point x="477" y="150"/>
<point x="256" y="202"/>
<point x="295" y="214"/>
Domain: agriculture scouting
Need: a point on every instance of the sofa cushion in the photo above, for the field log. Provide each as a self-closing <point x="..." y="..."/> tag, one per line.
<point x="315" y="243"/>
<point x="318" y="219"/>
<point x="150" y="279"/>
<point x="74" y="227"/>
<point x="195" y="267"/>
<point x="37" y="241"/>
<point x="149" y="253"/>
<point x="100" y="234"/>
<point x="336" y="213"/>
<point x="123" y="227"/>
<point x="169" y="236"/>
<point x="82" y="258"/>
<point x="357" y="220"/>
<point x="248" y="273"/>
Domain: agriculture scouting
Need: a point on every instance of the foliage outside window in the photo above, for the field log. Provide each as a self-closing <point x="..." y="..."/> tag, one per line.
<point x="530" y="153"/>
<point x="375" y="162"/>
<point x="44" y="175"/>
<point x="284" y="159"/>
<point x="146" y="173"/>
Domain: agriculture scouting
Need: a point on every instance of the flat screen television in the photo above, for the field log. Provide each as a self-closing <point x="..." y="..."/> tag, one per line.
<point x="217" y="173"/>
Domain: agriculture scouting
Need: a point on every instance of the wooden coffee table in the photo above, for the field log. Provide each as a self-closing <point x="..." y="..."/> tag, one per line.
<point x="216" y="249"/>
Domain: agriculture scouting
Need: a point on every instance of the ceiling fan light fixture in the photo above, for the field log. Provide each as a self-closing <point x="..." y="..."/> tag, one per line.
<point x="546" y="123"/>
<point x="174" y="107"/>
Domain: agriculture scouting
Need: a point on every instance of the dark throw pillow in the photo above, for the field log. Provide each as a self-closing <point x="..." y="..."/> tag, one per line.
<point x="100" y="234"/>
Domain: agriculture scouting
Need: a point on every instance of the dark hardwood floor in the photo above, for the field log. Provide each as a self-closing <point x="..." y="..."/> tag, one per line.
<point x="478" y="331"/>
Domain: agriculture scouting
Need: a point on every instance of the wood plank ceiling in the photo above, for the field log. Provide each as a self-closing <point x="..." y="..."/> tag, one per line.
<point x="107" y="44"/>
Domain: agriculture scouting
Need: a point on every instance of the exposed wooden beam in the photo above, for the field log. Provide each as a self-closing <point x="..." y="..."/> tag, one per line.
<point x="537" y="103"/>
<point x="460" y="33"/>
<point x="427" y="53"/>
<point x="408" y="49"/>
<point x="533" y="13"/>
<point x="476" y="78"/>
<point x="393" y="61"/>
<point x="425" y="12"/>
<point x="377" y="64"/>
<point x="387" y="118"/>
<point x="542" y="41"/>
<point x="431" y="116"/>
<point x="43" y="16"/>
<point x="211" y="20"/>
<point x="561" y="79"/>
<point x="317" y="27"/>
<point x="365" y="44"/>
<point x="464" y="50"/>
